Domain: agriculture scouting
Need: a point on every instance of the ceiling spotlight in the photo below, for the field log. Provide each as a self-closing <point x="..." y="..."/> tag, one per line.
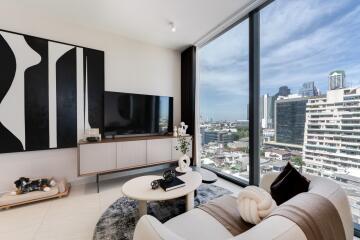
<point x="172" y="25"/>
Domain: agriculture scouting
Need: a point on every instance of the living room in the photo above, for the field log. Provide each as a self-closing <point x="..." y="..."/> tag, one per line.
<point x="179" y="119"/>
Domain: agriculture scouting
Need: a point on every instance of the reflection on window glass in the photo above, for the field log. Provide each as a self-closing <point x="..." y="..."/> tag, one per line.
<point x="310" y="90"/>
<point x="224" y="98"/>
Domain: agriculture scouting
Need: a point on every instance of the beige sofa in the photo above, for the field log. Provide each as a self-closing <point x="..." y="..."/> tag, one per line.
<point x="197" y="224"/>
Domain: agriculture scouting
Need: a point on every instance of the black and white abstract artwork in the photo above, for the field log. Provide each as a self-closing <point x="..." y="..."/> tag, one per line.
<point x="50" y="92"/>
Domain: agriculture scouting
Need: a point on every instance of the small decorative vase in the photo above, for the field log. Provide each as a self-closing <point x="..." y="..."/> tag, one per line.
<point x="184" y="163"/>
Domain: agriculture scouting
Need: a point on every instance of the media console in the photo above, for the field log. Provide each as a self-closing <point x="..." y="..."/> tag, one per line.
<point x="125" y="153"/>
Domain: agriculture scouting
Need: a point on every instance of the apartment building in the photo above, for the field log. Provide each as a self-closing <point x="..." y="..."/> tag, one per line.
<point x="332" y="133"/>
<point x="290" y="119"/>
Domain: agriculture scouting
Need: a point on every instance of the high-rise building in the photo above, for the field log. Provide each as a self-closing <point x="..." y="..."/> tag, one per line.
<point x="266" y="111"/>
<point x="337" y="80"/>
<point x="218" y="136"/>
<point x="332" y="134"/>
<point x="283" y="91"/>
<point x="290" y="119"/>
<point x="309" y="90"/>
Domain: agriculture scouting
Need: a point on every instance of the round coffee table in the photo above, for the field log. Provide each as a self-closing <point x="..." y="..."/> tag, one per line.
<point x="140" y="189"/>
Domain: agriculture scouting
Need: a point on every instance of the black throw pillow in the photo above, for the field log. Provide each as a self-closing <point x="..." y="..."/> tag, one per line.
<point x="288" y="184"/>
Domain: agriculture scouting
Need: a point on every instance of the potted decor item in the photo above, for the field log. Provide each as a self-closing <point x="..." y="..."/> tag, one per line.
<point x="183" y="145"/>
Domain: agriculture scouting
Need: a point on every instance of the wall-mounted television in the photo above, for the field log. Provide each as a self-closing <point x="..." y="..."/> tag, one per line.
<point x="137" y="114"/>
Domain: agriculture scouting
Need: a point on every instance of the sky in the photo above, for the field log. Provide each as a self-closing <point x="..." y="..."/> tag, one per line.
<point x="300" y="41"/>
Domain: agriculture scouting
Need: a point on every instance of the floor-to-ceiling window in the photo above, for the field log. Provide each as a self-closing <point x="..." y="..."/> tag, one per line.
<point x="310" y="90"/>
<point x="224" y="97"/>
<point x="309" y="94"/>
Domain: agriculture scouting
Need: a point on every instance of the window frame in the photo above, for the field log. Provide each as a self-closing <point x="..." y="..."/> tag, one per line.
<point x="228" y="177"/>
<point x="254" y="100"/>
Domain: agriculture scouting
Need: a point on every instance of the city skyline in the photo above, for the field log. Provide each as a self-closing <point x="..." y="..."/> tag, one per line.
<point x="306" y="49"/>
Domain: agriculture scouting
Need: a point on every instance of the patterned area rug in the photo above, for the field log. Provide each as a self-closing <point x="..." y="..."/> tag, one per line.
<point x="119" y="220"/>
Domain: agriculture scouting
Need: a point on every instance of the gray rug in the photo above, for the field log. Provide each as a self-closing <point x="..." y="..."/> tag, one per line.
<point x="119" y="220"/>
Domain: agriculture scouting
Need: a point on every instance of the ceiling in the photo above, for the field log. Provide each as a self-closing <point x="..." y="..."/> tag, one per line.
<point x="143" y="20"/>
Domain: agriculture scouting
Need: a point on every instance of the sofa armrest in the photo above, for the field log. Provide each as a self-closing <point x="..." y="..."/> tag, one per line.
<point x="150" y="228"/>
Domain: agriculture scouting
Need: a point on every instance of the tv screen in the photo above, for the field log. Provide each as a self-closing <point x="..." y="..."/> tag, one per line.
<point x="137" y="114"/>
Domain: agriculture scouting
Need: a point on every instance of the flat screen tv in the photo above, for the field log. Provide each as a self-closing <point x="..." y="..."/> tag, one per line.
<point x="137" y="114"/>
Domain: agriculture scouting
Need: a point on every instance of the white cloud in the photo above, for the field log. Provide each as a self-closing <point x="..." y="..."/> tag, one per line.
<point x="312" y="56"/>
<point x="301" y="40"/>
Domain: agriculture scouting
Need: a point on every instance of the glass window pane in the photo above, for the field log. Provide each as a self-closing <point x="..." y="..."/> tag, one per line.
<point x="224" y="87"/>
<point x="310" y="90"/>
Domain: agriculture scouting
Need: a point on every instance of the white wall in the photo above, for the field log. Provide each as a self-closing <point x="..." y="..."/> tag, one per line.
<point x="130" y="66"/>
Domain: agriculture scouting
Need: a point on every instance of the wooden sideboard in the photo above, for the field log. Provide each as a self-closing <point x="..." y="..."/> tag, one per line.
<point x="126" y="153"/>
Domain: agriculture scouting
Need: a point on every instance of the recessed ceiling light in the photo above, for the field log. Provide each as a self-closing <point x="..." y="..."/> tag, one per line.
<point x="172" y="25"/>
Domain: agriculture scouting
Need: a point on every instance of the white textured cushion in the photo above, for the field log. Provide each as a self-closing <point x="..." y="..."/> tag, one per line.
<point x="197" y="224"/>
<point x="254" y="204"/>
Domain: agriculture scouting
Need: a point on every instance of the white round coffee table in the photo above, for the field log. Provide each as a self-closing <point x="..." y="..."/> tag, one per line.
<point x="140" y="189"/>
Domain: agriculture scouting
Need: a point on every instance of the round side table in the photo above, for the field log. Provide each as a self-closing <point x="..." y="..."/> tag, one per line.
<point x="207" y="176"/>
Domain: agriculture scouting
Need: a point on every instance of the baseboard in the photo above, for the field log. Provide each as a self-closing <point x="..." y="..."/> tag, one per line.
<point x="115" y="175"/>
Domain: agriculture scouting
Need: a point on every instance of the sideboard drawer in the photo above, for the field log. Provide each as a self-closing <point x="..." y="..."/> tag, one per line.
<point x="97" y="158"/>
<point x="159" y="150"/>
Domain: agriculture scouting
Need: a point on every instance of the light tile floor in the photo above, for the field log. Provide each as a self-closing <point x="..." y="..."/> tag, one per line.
<point x="70" y="218"/>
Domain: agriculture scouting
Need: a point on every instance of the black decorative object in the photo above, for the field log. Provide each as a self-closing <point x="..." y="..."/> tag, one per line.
<point x="155" y="184"/>
<point x="50" y="92"/>
<point x="169" y="175"/>
<point x="288" y="184"/>
<point x="92" y="139"/>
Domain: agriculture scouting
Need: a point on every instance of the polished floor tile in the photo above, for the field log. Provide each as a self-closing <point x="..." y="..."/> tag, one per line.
<point x="70" y="218"/>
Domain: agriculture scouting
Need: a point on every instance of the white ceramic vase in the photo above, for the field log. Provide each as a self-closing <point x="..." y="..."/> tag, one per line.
<point x="184" y="163"/>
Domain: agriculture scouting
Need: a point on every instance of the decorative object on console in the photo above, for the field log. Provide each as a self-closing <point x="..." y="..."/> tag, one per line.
<point x="288" y="184"/>
<point x="92" y="135"/>
<point x="184" y="160"/>
<point x="254" y="204"/>
<point x="50" y="92"/>
<point x="182" y="129"/>
<point x="175" y="132"/>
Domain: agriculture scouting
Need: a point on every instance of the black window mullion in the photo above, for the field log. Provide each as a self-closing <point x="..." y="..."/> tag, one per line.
<point x="254" y="96"/>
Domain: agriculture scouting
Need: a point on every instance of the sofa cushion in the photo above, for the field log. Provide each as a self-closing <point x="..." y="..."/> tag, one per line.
<point x="197" y="224"/>
<point x="288" y="184"/>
